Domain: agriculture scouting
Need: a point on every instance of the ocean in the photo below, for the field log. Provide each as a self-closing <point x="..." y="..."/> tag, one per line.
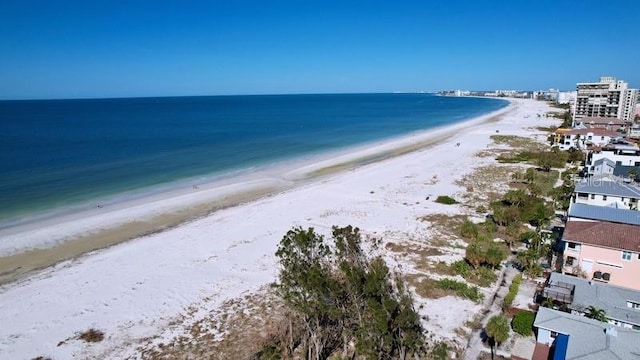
<point x="60" y="153"/>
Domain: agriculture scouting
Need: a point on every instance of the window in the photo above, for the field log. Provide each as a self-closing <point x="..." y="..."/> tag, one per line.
<point x="571" y="245"/>
<point x="626" y="255"/>
<point x="601" y="137"/>
<point x="593" y="196"/>
<point x="633" y="305"/>
<point x="604" y="197"/>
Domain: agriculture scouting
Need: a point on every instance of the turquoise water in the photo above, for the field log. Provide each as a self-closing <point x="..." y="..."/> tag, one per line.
<point x="56" y="153"/>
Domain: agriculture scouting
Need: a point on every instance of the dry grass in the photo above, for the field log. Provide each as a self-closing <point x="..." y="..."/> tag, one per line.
<point x="444" y="221"/>
<point x="493" y="153"/>
<point x="518" y="142"/>
<point x="92" y="335"/>
<point x="413" y="249"/>
<point x="238" y="330"/>
<point x="425" y="286"/>
<point x="491" y="179"/>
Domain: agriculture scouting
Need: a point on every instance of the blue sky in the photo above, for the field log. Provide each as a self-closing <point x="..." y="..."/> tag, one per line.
<point x="69" y="49"/>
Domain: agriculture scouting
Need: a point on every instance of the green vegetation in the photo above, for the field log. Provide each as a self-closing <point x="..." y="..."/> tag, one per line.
<point x="513" y="291"/>
<point x="498" y="328"/>
<point x="517" y="142"/>
<point x="596" y="314"/>
<point x="544" y="159"/>
<point x="447" y="200"/>
<point x="440" y="351"/>
<point x="559" y="106"/>
<point x="523" y="322"/>
<point x="517" y="207"/>
<point x="461" y="289"/>
<point x="344" y="297"/>
<point x="482" y="276"/>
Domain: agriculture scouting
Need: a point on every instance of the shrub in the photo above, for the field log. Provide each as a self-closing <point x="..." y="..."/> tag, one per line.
<point x="461" y="289"/>
<point x="485" y="276"/>
<point x="447" y="200"/>
<point x="513" y="291"/>
<point x="469" y="229"/>
<point x="461" y="267"/>
<point x="523" y="322"/>
<point x="440" y="351"/>
<point x="92" y="335"/>
<point x="269" y="352"/>
<point x="481" y="209"/>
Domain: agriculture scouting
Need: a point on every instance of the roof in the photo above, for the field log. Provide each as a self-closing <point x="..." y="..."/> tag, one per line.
<point x="605" y="234"/>
<point x="541" y="352"/>
<point x="606" y="184"/>
<point x="588" y="339"/>
<point x="604" y="160"/>
<point x="623" y="171"/>
<point x="602" y="120"/>
<point x="594" y="131"/>
<point x="604" y="213"/>
<point x="610" y="298"/>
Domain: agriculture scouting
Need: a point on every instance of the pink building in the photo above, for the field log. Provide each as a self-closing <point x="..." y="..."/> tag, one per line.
<point x="603" y="251"/>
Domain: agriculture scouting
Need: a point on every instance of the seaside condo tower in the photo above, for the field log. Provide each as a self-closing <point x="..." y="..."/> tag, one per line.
<point x="608" y="98"/>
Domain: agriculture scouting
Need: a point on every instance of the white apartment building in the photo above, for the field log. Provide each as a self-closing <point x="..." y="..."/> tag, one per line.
<point x="607" y="98"/>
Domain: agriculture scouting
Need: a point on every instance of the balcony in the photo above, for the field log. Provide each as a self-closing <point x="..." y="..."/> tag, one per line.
<point x="570" y="269"/>
<point x="559" y="291"/>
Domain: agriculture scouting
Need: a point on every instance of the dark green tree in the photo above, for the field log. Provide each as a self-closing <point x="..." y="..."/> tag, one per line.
<point x="345" y="297"/>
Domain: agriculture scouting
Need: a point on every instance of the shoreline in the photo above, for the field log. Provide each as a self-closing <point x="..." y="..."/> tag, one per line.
<point x="40" y="244"/>
<point x="149" y="292"/>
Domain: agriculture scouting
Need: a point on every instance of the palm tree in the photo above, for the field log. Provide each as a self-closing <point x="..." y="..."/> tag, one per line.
<point x="516" y="197"/>
<point x="498" y="330"/>
<point x="596" y="314"/>
<point x="530" y="175"/>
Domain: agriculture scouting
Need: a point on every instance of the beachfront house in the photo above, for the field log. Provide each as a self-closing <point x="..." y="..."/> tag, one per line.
<point x="564" y="336"/>
<point x="580" y="138"/>
<point x="607" y="190"/>
<point x="602" y="244"/>
<point x="634" y="131"/>
<point x="621" y="154"/>
<point x="629" y="173"/>
<point x="621" y="305"/>
<point x="603" y="166"/>
<point x="607" y="123"/>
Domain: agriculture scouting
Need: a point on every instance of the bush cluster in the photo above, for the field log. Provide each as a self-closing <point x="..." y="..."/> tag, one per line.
<point x="344" y="297"/>
<point x="461" y="289"/>
<point x="447" y="200"/>
<point x="513" y="291"/>
<point x="523" y="322"/>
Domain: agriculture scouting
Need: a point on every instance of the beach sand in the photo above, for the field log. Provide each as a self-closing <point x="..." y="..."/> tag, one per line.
<point x="196" y="248"/>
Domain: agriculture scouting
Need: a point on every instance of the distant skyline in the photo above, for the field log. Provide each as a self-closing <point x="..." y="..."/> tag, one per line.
<point x="89" y="49"/>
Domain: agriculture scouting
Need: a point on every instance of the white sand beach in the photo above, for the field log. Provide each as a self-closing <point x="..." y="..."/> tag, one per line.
<point x="137" y="289"/>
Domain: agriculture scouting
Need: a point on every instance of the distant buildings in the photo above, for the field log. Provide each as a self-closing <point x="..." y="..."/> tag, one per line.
<point x="606" y="98"/>
<point x="555" y="95"/>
